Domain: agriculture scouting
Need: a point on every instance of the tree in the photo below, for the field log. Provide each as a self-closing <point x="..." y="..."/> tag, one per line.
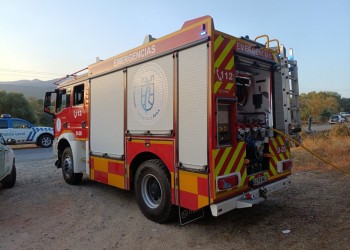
<point x="345" y="104"/>
<point x="16" y="105"/>
<point x="319" y="105"/>
<point x="41" y="118"/>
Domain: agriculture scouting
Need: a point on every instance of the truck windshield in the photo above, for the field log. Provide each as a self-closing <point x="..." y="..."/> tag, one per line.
<point x="63" y="100"/>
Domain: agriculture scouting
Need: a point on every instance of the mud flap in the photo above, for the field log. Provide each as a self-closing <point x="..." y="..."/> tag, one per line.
<point x="186" y="215"/>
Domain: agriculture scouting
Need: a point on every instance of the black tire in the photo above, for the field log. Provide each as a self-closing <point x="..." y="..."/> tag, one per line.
<point x="68" y="168"/>
<point x="10" y="180"/>
<point x="45" y="140"/>
<point x="153" y="191"/>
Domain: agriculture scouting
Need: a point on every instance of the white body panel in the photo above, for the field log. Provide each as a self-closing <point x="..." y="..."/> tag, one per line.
<point x="193" y="106"/>
<point x="150" y="97"/>
<point x="78" y="150"/>
<point x="107" y="115"/>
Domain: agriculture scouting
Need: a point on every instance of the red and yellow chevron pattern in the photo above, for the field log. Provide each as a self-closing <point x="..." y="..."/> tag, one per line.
<point x="229" y="160"/>
<point x="280" y="152"/>
<point x="107" y="171"/>
<point x="223" y="65"/>
<point x="193" y="189"/>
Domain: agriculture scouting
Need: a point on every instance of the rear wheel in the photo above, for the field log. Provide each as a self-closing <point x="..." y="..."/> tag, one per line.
<point x="10" y="180"/>
<point x="68" y="168"/>
<point x="45" y="140"/>
<point x="153" y="191"/>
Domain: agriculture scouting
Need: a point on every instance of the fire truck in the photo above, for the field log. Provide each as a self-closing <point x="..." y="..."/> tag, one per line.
<point x="187" y="121"/>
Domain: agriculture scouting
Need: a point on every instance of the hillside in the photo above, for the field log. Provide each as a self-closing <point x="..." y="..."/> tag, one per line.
<point x="29" y="88"/>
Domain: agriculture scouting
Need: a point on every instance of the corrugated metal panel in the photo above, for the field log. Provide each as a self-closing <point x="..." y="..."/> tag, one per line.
<point x="150" y="97"/>
<point x="278" y="102"/>
<point x="107" y="114"/>
<point x="193" y="106"/>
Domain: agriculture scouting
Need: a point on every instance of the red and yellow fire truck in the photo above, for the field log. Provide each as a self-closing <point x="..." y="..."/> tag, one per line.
<point x="187" y="121"/>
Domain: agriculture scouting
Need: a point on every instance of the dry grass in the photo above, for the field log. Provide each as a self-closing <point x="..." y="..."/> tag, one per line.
<point x="333" y="146"/>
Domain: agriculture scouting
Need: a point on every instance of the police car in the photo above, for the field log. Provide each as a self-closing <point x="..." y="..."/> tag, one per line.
<point x="25" y="132"/>
<point x="7" y="164"/>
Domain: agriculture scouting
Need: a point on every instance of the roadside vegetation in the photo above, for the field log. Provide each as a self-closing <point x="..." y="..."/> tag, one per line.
<point x="321" y="105"/>
<point x="30" y="109"/>
<point x="333" y="145"/>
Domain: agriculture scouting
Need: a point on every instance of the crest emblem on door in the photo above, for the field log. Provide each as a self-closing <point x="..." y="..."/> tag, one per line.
<point x="149" y="93"/>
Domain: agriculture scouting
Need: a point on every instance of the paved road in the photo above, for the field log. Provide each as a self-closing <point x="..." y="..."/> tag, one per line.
<point x="320" y="127"/>
<point x="33" y="154"/>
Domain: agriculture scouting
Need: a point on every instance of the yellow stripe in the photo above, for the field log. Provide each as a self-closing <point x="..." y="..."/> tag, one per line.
<point x="217" y="42"/>
<point x="273" y="170"/>
<point x="215" y="153"/>
<point x="154" y="142"/>
<point x="241" y="163"/>
<point x="202" y="201"/>
<point x="243" y="178"/>
<point x="188" y="182"/>
<point x="233" y="159"/>
<point x="101" y="164"/>
<point x="222" y="160"/>
<point x="229" y="86"/>
<point x="280" y="140"/>
<point x="230" y="64"/>
<point x="274" y="143"/>
<point x="224" y="54"/>
<point x="116" y="180"/>
<point x="217" y="86"/>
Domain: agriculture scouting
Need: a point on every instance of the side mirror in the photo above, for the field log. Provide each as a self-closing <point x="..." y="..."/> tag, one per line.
<point x="49" y="104"/>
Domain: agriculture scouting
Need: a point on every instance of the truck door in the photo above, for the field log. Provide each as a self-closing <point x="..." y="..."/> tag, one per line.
<point x="62" y="121"/>
<point x="79" y="112"/>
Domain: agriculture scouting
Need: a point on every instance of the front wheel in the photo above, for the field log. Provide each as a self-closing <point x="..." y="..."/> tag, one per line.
<point x="153" y="191"/>
<point x="45" y="141"/>
<point x="68" y="168"/>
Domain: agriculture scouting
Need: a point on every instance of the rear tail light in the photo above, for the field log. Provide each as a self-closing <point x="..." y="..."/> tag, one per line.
<point x="284" y="166"/>
<point x="228" y="181"/>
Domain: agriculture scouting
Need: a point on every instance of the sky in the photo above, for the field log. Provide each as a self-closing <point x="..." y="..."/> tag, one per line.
<point x="47" y="39"/>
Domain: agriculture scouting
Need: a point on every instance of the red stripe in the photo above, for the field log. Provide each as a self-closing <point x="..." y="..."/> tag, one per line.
<point x="188" y="200"/>
<point x="227" y="161"/>
<point x="216" y="35"/>
<point x="202" y="185"/>
<point x="239" y="157"/>
<point x="218" y="157"/>
<point x="227" y="59"/>
<point x="115" y="168"/>
<point x="221" y="48"/>
<point x="280" y="145"/>
<point x="101" y="176"/>
<point x="274" y="151"/>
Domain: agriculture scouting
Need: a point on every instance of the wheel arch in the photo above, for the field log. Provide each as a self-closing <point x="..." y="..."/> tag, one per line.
<point x="136" y="162"/>
<point x="62" y="145"/>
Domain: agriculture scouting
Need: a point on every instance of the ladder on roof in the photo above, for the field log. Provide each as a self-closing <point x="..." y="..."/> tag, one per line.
<point x="290" y="88"/>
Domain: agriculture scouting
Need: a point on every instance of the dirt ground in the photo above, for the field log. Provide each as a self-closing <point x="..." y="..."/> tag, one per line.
<point x="42" y="212"/>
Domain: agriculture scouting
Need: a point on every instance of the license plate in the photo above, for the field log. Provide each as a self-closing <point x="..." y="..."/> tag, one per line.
<point x="259" y="180"/>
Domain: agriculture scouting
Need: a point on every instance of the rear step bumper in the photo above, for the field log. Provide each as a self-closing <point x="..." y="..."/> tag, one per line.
<point x="239" y="201"/>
